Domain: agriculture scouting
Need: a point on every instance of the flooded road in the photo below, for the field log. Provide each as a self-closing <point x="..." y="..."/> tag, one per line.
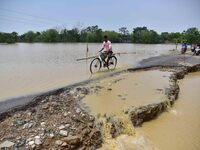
<point x="38" y="67"/>
<point x="179" y="128"/>
<point x="121" y="92"/>
<point x="126" y="90"/>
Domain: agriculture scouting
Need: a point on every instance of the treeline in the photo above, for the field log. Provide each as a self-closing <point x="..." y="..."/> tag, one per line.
<point x="95" y="34"/>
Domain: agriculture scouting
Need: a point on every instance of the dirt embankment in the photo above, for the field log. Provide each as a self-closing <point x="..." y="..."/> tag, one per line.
<point x="57" y="121"/>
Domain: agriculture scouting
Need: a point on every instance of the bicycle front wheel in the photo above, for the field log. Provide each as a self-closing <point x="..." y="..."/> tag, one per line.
<point x="112" y="62"/>
<point x="95" y="65"/>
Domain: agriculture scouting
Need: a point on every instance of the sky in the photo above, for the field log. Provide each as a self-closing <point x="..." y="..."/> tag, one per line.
<point x="38" y="15"/>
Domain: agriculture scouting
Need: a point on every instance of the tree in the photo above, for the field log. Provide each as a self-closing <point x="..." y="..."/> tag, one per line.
<point x="137" y="34"/>
<point x="191" y="35"/>
<point x="175" y="37"/>
<point x="112" y="36"/>
<point x="29" y="36"/>
<point x="8" y="37"/>
<point x="164" y="37"/>
<point x="92" y="34"/>
<point x="124" y="35"/>
<point x="143" y="35"/>
<point x="14" y="36"/>
<point x="50" y="35"/>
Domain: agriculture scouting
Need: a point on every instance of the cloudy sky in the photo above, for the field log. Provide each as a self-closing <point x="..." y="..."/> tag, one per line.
<point x="159" y="15"/>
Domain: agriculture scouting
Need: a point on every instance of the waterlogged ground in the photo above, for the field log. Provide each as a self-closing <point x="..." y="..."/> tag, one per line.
<point x="126" y="90"/>
<point x="118" y="93"/>
<point x="178" y="129"/>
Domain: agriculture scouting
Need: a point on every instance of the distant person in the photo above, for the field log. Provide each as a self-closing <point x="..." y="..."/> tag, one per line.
<point x="184" y="48"/>
<point x="107" y="47"/>
<point x="194" y="46"/>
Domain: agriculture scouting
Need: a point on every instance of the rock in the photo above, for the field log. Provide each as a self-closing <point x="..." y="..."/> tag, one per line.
<point x="63" y="133"/>
<point x="67" y="125"/>
<point x="18" y="138"/>
<point x="61" y="127"/>
<point x="65" y="114"/>
<point x="31" y="142"/>
<point x="42" y="124"/>
<point x="95" y="138"/>
<point x="46" y="106"/>
<point x="58" y="142"/>
<point x="72" y="140"/>
<point x="78" y="110"/>
<point x="92" y="118"/>
<point x="33" y="146"/>
<point x="29" y="139"/>
<point x="27" y="125"/>
<point x="83" y="115"/>
<point x="7" y="144"/>
<point x="19" y="122"/>
<point x="21" y="143"/>
<point x="64" y="144"/>
<point x="37" y="137"/>
<point x="29" y="113"/>
<point x="38" y="141"/>
<point x="51" y="135"/>
<point x="146" y="113"/>
<point x="84" y="91"/>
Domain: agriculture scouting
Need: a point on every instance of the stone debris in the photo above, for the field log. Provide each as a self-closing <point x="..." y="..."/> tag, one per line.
<point x="55" y="122"/>
<point x="31" y="142"/>
<point x="58" y="142"/>
<point x="6" y="144"/>
<point x="38" y="141"/>
<point x="61" y="127"/>
<point x="63" y="133"/>
<point x="27" y="125"/>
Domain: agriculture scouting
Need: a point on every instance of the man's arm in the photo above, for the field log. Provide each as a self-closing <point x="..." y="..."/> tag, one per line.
<point x="102" y="47"/>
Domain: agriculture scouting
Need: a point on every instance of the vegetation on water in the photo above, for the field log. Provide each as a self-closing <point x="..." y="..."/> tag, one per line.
<point x="95" y="34"/>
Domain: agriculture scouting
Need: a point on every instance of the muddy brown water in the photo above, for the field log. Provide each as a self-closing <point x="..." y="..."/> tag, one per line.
<point x="39" y="67"/>
<point x="128" y="89"/>
<point x="120" y="92"/>
<point x="179" y="128"/>
<point x="176" y="129"/>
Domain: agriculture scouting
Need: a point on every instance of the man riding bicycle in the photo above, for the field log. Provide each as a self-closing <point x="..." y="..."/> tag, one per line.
<point x="108" y="49"/>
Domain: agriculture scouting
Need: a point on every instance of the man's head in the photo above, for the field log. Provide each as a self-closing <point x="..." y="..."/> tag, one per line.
<point x="105" y="38"/>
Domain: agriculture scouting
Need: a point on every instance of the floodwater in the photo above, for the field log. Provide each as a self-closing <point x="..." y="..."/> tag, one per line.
<point x="179" y="128"/>
<point x="176" y="129"/>
<point x="121" y="92"/>
<point x="126" y="90"/>
<point x="38" y="67"/>
<point x="125" y="142"/>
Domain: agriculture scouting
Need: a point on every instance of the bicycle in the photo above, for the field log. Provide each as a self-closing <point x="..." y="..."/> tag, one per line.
<point x="97" y="63"/>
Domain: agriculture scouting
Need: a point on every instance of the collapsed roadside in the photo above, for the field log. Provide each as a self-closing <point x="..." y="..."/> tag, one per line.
<point x="57" y="121"/>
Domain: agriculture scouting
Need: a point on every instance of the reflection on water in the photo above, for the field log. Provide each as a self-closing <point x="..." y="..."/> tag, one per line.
<point x="179" y="128"/>
<point x="31" y="68"/>
<point x="128" y="89"/>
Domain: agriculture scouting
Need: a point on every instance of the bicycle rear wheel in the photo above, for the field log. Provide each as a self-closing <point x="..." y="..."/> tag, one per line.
<point x="95" y="65"/>
<point x="112" y="62"/>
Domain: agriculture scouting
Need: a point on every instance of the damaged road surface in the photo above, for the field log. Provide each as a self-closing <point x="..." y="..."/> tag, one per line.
<point x="68" y="118"/>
